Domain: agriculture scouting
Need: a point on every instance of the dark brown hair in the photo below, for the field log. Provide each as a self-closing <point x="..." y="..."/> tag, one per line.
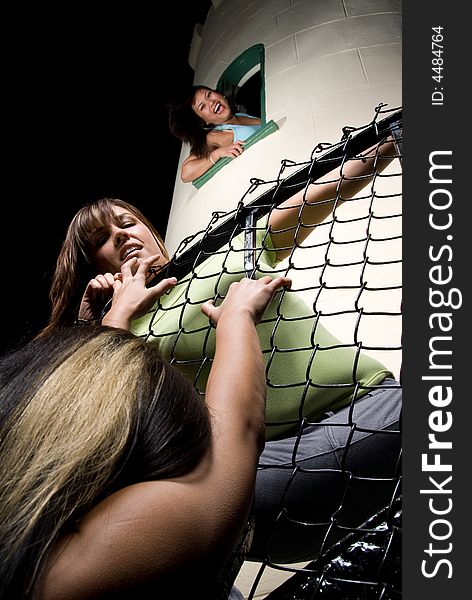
<point x="85" y="411"/>
<point x="74" y="268"/>
<point x="185" y="124"/>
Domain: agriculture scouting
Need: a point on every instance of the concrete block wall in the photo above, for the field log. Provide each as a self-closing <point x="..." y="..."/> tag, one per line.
<point x="329" y="63"/>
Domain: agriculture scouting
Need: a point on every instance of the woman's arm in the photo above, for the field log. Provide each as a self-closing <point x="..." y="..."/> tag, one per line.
<point x="182" y="531"/>
<point x="320" y="197"/>
<point x="221" y="144"/>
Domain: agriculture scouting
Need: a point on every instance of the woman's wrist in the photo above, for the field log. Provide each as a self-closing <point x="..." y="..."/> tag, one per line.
<point x="237" y="330"/>
<point x="116" y="319"/>
<point x="211" y="159"/>
<point x="235" y="317"/>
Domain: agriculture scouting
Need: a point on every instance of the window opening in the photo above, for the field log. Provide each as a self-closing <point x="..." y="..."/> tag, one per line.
<point x="243" y="82"/>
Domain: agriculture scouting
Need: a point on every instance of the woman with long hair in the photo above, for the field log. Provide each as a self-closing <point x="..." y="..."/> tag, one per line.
<point x="208" y="121"/>
<point x="113" y="467"/>
<point x="314" y="377"/>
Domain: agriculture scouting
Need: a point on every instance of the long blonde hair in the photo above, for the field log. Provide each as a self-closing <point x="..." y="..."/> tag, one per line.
<point x="73" y="266"/>
<point x="93" y="410"/>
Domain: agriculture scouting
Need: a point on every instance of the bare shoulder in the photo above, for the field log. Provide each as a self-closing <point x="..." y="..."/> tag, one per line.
<point x="219" y="138"/>
<point x="133" y="536"/>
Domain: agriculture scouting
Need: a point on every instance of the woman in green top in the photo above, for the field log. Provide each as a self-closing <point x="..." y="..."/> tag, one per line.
<point x="113" y="468"/>
<point x="311" y="376"/>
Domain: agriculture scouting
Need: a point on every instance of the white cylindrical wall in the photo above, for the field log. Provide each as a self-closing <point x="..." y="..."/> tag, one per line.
<point x="328" y="64"/>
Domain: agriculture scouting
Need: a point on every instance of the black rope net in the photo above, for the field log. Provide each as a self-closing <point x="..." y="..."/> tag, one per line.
<point x="319" y="339"/>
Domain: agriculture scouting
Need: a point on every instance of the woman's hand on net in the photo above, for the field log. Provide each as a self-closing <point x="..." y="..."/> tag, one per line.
<point x="131" y="297"/>
<point x="250" y="296"/>
<point x="97" y="293"/>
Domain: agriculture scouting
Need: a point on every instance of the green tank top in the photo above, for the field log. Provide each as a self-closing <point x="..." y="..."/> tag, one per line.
<point x="309" y="371"/>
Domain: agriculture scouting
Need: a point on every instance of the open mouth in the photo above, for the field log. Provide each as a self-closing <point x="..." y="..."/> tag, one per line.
<point x="129" y="251"/>
<point x="217" y="108"/>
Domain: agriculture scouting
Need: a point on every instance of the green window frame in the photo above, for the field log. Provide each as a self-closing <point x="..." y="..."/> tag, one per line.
<point x="245" y="65"/>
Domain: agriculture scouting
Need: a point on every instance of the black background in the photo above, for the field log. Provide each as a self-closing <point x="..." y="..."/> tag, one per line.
<point x="85" y="116"/>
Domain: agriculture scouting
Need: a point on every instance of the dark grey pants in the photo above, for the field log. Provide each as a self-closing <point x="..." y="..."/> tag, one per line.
<point x="338" y="477"/>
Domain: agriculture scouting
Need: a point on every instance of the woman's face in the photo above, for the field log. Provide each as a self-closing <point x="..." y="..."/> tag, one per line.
<point x="115" y="243"/>
<point x="211" y="106"/>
